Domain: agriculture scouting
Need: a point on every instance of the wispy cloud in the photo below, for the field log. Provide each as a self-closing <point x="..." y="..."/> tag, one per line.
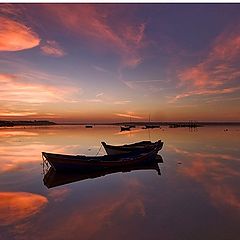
<point x="52" y="48"/>
<point x="218" y="72"/>
<point x="128" y="115"/>
<point x="121" y="102"/>
<point x="205" y="92"/>
<point x="92" y="22"/>
<point x="15" y="88"/>
<point x="149" y="84"/>
<point x="99" y="95"/>
<point x="100" y="69"/>
<point x="104" y="99"/>
<point x="16" y="36"/>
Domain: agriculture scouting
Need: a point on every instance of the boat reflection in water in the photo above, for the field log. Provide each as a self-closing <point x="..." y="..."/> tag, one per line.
<point x="53" y="179"/>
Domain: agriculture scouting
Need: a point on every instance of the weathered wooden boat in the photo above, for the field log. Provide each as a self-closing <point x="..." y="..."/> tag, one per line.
<point x="139" y="146"/>
<point x="63" y="162"/>
<point x="54" y="179"/>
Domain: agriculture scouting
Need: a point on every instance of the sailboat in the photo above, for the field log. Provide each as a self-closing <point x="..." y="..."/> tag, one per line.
<point x="149" y="125"/>
<point x="131" y="125"/>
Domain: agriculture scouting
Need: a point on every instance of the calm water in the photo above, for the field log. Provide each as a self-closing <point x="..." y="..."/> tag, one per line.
<point x="197" y="195"/>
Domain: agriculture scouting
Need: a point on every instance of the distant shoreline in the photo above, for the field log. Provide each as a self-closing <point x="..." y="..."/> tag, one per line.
<point x="26" y="123"/>
<point x="201" y="123"/>
<point x="157" y="123"/>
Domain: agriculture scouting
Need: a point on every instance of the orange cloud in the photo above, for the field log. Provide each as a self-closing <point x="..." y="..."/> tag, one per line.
<point x="128" y="116"/>
<point x="52" y="48"/>
<point x="15" y="36"/>
<point x="15" y="88"/>
<point x="17" y="206"/>
<point x="94" y="23"/>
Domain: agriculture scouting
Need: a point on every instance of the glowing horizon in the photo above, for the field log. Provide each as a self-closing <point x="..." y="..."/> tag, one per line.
<point x="113" y="62"/>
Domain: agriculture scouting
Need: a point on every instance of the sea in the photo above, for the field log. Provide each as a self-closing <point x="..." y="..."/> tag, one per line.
<point x="192" y="194"/>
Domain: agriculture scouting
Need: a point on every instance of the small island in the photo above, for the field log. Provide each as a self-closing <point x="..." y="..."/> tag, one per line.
<point x="26" y="123"/>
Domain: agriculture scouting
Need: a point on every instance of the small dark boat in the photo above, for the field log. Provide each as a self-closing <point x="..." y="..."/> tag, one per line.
<point x="88" y="126"/>
<point x="143" y="146"/>
<point x="54" y="179"/>
<point x="125" y="128"/>
<point x="151" y="126"/>
<point x="62" y="162"/>
<point x="130" y="125"/>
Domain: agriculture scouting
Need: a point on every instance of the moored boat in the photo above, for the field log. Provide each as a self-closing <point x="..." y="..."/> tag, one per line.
<point x="125" y="128"/>
<point x="151" y="126"/>
<point x="63" y="162"/>
<point x="143" y="146"/>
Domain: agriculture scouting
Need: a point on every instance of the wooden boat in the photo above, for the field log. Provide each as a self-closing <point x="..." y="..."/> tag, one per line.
<point x="53" y="178"/>
<point x="88" y="126"/>
<point x="62" y="162"/>
<point x="139" y="146"/>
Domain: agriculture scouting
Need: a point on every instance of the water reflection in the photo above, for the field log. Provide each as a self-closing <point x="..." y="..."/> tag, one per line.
<point x="200" y="193"/>
<point x="53" y="179"/>
<point x="215" y="172"/>
<point x="17" y="206"/>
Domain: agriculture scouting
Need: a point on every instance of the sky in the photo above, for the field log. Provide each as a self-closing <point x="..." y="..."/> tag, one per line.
<point x="113" y="62"/>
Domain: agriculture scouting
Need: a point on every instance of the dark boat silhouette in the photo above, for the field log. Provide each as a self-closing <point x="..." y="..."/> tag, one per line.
<point x="53" y="179"/>
<point x="63" y="162"/>
<point x="143" y="146"/>
<point x="125" y="128"/>
<point x="151" y="126"/>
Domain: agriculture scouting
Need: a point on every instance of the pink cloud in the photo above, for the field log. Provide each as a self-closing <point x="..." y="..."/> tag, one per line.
<point x="94" y="23"/>
<point x="218" y="72"/>
<point x="15" y="36"/>
<point x="52" y="48"/>
<point x="212" y="172"/>
<point x="205" y="92"/>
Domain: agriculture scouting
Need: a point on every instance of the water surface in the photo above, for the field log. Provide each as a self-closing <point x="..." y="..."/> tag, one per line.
<point x="197" y="195"/>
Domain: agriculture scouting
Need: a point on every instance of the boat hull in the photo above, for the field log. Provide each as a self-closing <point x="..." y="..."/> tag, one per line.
<point x="144" y="146"/>
<point x="62" y="162"/>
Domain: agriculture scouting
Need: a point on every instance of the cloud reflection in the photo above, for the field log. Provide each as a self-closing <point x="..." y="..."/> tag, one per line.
<point x="17" y="206"/>
<point x="213" y="174"/>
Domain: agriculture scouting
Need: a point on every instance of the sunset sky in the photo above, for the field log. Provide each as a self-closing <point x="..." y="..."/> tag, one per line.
<point x="106" y="62"/>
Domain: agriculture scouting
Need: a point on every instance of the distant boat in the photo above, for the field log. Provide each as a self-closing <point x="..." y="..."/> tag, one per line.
<point x="131" y="125"/>
<point x="54" y="179"/>
<point x="139" y="146"/>
<point x="151" y="125"/>
<point x="125" y="128"/>
<point x="88" y="126"/>
<point x="62" y="162"/>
